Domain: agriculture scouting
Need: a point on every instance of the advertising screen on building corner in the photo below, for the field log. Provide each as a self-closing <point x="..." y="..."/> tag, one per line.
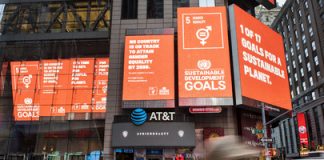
<point x="203" y="57"/>
<point x="148" y="68"/>
<point x="259" y="62"/>
<point x="55" y="87"/>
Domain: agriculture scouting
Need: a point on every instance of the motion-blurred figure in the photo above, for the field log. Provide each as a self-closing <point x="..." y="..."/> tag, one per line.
<point x="229" y="148"/>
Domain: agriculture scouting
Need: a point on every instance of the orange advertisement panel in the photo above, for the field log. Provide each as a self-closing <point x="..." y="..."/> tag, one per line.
<point x="25" y="85"/>
<point x="203" y="56"/>
<point x="100" y="85"/>
<point x="56" y="91"/>
<point x="261" y="60"/>
<point x="82" y="83"/>
<point x="149" y="68"/>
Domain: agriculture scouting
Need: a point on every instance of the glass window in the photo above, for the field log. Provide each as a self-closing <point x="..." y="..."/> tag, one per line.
<point x="316" y="60"/>
<point x="297" y="89"/>
<point x="310" y="30"/>
<point x="302" y="72"/>
<point x="318" y="73"/>
<point x="313" y="95"/>
<point x="294" y="64"/>
<point x="300" y="13"/>
<point x="296" y="77"/>
<point x="292" y="52"/>
<point x="154" y="9"/>
<point x="309" y="19"/>
<point x="311" y="81"/>
<point x="206" y="3"/>
<point x="299" y="58"/>
<point x="290" y="82"/>
<point x="129" y="9"/>
<point x="302" y="27"/>
<point x="304" y="86"/>
<point x="296" y="34"/>
<point x="320" y="2"/>
<point x="297" y="45"/>
<point x="292" y="94"/>
<point x="179" y="3"/>
<point x="308" y="67"/>
<point x="306" y="52"/>
<point x="313" y="46"/>
<point x="288" y="69"/>
<point x="304" y="39"/>
<point x="306" y="4"/>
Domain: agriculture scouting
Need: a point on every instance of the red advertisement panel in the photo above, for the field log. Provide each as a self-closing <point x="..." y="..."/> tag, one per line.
<point x="100" y="88"/>
<point x="261" y="60"/>
<point x="56" y="91"/>
<point x="25" y="85"/>
<point x="82" y="83"/>
<point x="302" y="129"/>
<point x="56" y="87"/>
<point x="149" y="68"/>
<point x="203" y="61"/>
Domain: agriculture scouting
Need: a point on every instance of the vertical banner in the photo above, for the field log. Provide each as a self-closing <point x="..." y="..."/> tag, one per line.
<point x="203" y="57"/>
<point x="259" y="62"/>
<point x="25" y="87"/>
<point x="302" y="130"/>
<point x="100" y="88"/>
<point x="82" y="83"/>
<point x="149" y="69"/>
<point x="56" y="91"/>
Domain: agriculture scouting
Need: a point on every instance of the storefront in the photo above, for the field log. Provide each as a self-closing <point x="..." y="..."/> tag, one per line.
<point x="153" y="140"/>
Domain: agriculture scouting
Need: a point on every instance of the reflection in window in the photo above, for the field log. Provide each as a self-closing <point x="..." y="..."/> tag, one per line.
<point x="56" y="17"/>
<point x="154" y="9"/>
<point x="129" y="9"/>
<point x="178" y="3"/>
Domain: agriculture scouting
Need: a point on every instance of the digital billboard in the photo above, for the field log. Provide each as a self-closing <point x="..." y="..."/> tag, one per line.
<point x="56" y="87"/>
<point x="204" y="70"/>
<point x="259" y="62"/>
<point x="148" y="69"/>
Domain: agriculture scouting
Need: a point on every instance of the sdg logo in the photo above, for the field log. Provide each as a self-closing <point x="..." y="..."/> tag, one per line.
<point x="138" y="116"/>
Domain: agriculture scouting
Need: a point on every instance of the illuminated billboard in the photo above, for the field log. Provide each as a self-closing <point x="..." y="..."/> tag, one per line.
<point x="149" y="70"/>
<point x="203" y="57"/>
<point x="259" y="62"/>
<point x="56" y="87"/>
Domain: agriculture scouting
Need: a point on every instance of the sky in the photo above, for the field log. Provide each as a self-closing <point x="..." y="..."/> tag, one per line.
<point x="281" y="2"/>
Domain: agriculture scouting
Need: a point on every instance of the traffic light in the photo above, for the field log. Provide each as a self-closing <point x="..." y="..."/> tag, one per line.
<point x="179" y="157"/>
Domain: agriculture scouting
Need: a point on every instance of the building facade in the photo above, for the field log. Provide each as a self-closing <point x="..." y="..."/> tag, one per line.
<point x="41" y="31"/>
<point x="60" y="32"/>
<point x="300" y="23"/>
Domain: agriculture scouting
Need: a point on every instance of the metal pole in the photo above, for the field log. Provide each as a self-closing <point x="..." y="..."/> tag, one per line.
<point x="265" y="135"/>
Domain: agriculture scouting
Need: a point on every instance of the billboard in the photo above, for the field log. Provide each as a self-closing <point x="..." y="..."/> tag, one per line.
<point x="203" y="57"/>
<point x="302" y="130"/>
<point x="148" y="68"/>
<point x="259" y="62"/>
<point x="56" y="87"/>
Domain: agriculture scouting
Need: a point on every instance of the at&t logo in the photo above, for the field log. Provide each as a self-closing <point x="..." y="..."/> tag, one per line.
<point x="138" y="116"/>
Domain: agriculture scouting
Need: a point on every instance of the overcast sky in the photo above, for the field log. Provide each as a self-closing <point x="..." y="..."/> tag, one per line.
<point x="281" y="2"/>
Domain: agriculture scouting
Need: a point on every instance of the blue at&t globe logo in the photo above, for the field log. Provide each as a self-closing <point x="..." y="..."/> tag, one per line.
<point x="138" y="116"/>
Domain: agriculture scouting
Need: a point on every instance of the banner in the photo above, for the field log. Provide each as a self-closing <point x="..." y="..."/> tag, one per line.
<point x="100" y="85"/>
<point x="302" y="130"/>
<point x="56" y="87"/>
<point x="259" y="62"/>
<point x="203" y="57"/>
<point x="25" y="85"/>
<point x="148" y="68"/>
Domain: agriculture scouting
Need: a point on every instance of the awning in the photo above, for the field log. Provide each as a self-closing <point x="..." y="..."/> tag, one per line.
<point x="154" y="134"/>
